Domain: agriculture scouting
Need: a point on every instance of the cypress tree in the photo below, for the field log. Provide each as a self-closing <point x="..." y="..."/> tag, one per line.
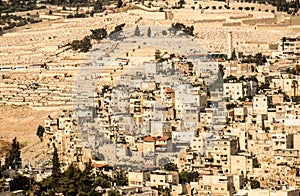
<point x="55" y="166"/>
<point x="13" y="157"/>
<point x="149" y="32"/>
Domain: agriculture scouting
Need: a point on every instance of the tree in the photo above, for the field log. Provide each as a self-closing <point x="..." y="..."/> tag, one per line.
<point x="137" y="31"/>
<point x="255" y="163"/>
<point x="181" y="27"/>
<point x="157" y="54"/>
<point x="99" y="34"/>
<point x="114" y="193"/>
<point x="69" y="181"/>
<point x="255" y="184"/>
<point x="120" y="179"/>
<point x="187" y="177"/>
<point x="40" y="132"/>
<point x="120" y="3"/>
<point x="86" y="179"/>
<point x="55" y="166"/>
<point x="163" y="161"/>
<point x="294" y="86"/>
<point x="20" y="182"/>
<point x="82" y="45"/>
<point x="181" y="2"/>
<point x="149" y="32"/>
<point x="13" y="156"/>
<point x="233" y="55"/>
<point x="116" y="33"/>
<point x="103" y="181"/>
<point x="260" y="59"/>
<point x="230" y="78"/>
<point x="85" y="44"/>
<point x="98" y="7"/>
<point x="170" y="167"/>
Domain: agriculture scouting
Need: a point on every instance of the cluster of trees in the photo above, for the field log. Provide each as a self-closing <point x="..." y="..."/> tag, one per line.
<point x="259" y="59"/>
<point x="18" y="6"/>
<point x="82" y="45"/>
<point x="250" y="78"/>
<point x="97" y="34"/>
<point x="294" y="70"/>
<point x="115" y="34"/>
<point x="71" y="3"/>
<point x="77" y="15"/>
<point x="284" y="5"/>
<point x="13" y="156"/>
<point x="98" y="5"/>
<point x="85" y="44"/>
<point x="189" y="30"/>
<point x="13" y="161"/>
<point x="230" y="78"/>
<point x="11" y="21"/>
<point x="73" y="181"/>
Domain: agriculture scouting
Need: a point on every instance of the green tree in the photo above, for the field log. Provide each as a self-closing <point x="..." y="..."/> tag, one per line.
<point x="103" y="181"/>
<point x="255" y="184"/>
<point x="114" y="193"/>
<point x="181" y="27"/>
<point x="69" y="181"/>
<point x="170" y="167"/>
<point x="86" y="180"/>
<point x="163" y="161"/>
<point x="99" y="34"/>
<point x="55" y="166"/>
<point x="13" y="156"/>
<point x="149" y="32"/>
<point x="20" y="182"/>
<point x="230" y="78"/>
<point x="137" y="32"/>
<point x="294" y="86"/>
<point x="120" y="3"/>
<point x="255" y="163"/>
<point x="187" y="177"/>
<point x="164" y="33"/>
<point x="181" y="3"/>
<point x="260" y="59"/>
<point x="85" y="44"/>
<point x="157" y="54"/>
<point x="40" y="132"/>
<point x="120" y="179"/>
<point x="264" y="86"/>
<point x="233" y="55"/>
<point x="98" y="7"/>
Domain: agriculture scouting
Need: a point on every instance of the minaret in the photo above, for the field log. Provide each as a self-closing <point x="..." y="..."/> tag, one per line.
<point x="229" y="49"/>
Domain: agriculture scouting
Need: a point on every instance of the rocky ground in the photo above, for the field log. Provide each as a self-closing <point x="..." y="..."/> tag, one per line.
<point x="21" y="122"/>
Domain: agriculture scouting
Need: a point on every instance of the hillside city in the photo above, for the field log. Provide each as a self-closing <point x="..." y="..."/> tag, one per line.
<point x="148" y="98"/>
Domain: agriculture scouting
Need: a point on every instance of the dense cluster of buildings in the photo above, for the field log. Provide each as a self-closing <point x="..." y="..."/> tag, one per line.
<point x="231" y="125"/>
<point x="241" y="138"/>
